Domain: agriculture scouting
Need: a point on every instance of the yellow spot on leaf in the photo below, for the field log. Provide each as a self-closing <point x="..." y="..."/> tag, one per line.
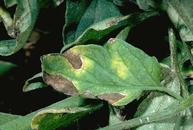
<point x="120" y="68"/>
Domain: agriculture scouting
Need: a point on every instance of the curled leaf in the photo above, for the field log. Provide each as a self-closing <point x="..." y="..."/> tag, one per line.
<point x="52" y="119"/>
<point x="30" y="84"/>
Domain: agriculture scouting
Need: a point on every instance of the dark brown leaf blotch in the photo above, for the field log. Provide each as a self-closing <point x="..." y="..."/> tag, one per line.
<point x="60" y="84"/>
<point x="73" y="59"/>
<point x="111" y="97"/>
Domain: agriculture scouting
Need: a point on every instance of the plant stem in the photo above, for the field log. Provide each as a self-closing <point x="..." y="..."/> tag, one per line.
<point x="172" y="111"/>
<point x="174" y="62"/>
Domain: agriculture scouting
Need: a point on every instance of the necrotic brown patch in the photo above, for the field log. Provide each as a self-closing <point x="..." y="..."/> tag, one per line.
<point x="111" y="97"/>
<point x="73" y="59"/>
<point x="60" y="84"/>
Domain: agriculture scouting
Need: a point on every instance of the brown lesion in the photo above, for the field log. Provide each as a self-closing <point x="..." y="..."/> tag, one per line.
<point x="73" y="59"/>
<point x="111" y="97"/>
<point x="60" y="84"/>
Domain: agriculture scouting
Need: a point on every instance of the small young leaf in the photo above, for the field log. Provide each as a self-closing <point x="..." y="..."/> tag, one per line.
<point x="123" y="33"/>
<point x="112" y="73"/>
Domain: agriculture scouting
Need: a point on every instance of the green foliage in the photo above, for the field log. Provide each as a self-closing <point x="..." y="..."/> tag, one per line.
<point x="93" y="67"/>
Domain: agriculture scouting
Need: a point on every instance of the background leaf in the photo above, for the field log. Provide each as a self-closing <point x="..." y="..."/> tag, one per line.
<point x="181" y="14"/>
<point x="24" y="20"/>
<point x="74" y="12"/>
<point x="5" y="67"/>
<point x="103" y="28"/>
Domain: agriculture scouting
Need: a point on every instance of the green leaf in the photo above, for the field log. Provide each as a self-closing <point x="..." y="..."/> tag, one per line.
<point x="112" y="73"/>
<point x="101" y="29"/>
<point x="52" y="119"/>
<point x="86" y="15"/>
<point x="74" y="12"/>
<point x="5" y="117"/>
<point x="5" y="67"/>
<point x="98" y="10"/>
<point x="156" y="103"/>
<point x="30" y="85"/>
<point x="181" y="14"/>
<point x="24" y="123"/>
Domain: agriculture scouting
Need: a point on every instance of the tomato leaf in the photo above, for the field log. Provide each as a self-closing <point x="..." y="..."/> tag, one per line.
<point x="112" y="73"/>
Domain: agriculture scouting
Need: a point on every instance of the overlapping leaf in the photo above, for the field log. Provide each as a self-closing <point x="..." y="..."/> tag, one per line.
<point x="22" y="24"/>
<point x="78" y="13"/>
<point x="112" y="73"/>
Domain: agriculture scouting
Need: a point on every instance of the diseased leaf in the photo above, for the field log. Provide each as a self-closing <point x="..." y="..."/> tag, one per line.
<point x="5" y="117"/>
<point x="30" y="85"/>
<point x="112" y="73"/>
<point x="24" y="123"/>
<point x="101" y="29"/>
<point x="52" y="119"/>
<point x="5" y="67"/>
